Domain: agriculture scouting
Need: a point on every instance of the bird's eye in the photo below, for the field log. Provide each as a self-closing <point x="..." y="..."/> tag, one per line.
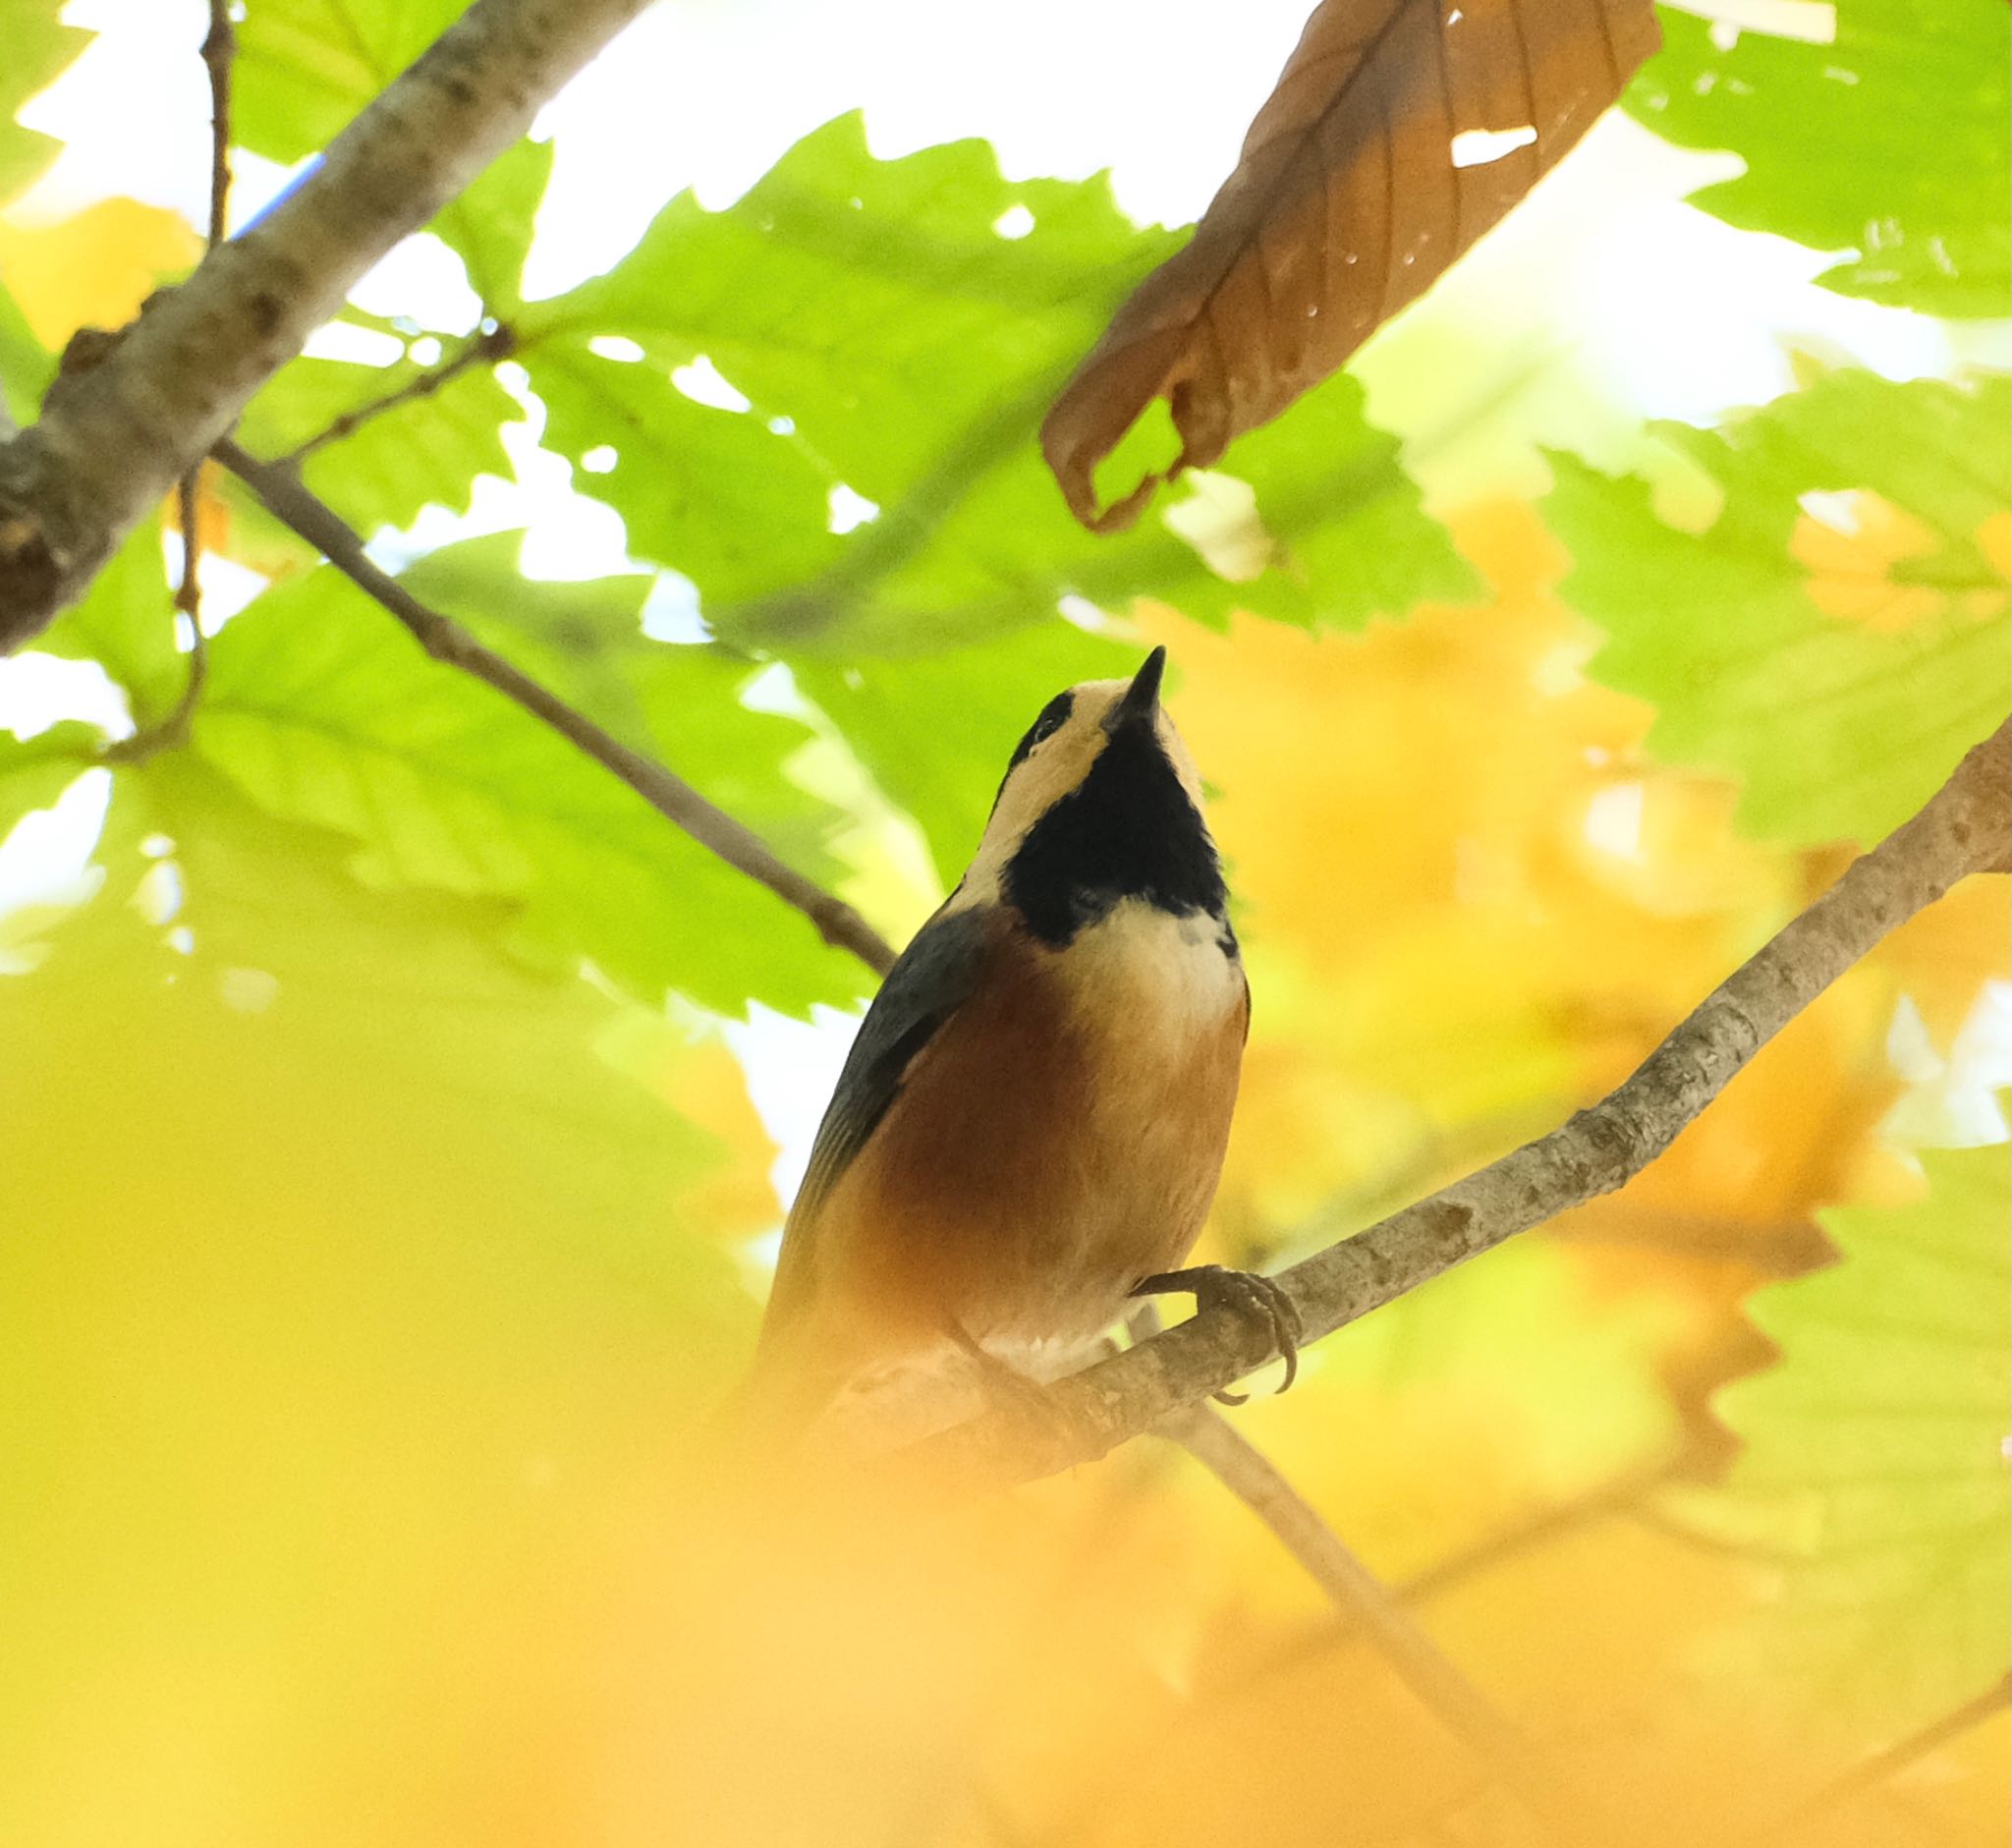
<point x="1054" y="715"/>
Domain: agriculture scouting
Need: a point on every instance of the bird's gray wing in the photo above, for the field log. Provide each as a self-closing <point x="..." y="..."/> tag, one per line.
<point x="928" y="982"/>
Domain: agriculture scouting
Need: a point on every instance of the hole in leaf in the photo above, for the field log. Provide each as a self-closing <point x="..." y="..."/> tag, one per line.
<point x="1477" y="147"/>
<point x="617" y="347"/>
<point x="701" y="381"/>
<point x="1220" y="519"/>
<point x="1016" y="221"/>
<point x="849" y="510"/>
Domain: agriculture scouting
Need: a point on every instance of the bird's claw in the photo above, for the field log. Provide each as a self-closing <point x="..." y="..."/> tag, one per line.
<point x="1254" y="1298"/>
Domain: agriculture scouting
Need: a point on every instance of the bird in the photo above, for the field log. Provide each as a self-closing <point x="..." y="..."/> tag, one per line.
<point x="1029" y="1128"/>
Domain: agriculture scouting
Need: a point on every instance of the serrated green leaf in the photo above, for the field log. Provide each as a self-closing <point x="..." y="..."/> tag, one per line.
<point x="303" y="70"/>
<point x="676" y="702"/>
<point x="323" y="709"/>
<point x="1881" y="1426"/>
<point x="26" y="367"/>
<point x="893" y="343"/>
<point x="38" y="50"/>
<point x="489" y="226"/>
<point x="1840" y="717"/>
<point x="34" y="771"/>
<point x="1888" y="142"/>
<point x="126" y="623"/>
<point x="425" y="450"/>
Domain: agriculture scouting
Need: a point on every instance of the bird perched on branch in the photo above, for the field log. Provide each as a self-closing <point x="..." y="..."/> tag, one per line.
<point x="1031" y="1125"/>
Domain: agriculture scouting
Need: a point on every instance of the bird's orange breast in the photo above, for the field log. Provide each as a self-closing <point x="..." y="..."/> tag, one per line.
<point x="1059" y="1138"/>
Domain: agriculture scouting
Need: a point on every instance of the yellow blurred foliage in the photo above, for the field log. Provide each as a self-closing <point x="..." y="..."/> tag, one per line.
<point x="93" y="268"/>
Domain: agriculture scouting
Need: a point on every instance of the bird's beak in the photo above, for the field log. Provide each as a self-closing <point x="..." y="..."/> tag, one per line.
<point x="1143" y="696"/>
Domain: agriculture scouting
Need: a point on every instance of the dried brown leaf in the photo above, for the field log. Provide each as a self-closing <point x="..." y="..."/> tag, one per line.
<point x="1350" y="198"/>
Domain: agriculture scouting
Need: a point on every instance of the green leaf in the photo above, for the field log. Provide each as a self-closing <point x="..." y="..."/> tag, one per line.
<point x="126" y="623"/>
<point x="426" y="449"/>
<point x="895" y="343"/>
<point x="1839" y="674"/>
<point x="303" y="70"/>
<point x="322" y="709"/>
<point x="679" y="704"/>
<point x="38" y="50"/>
<point x="1888" y="142"/>
<point x="34" y="771"/>
<point x="489" y="226"/>
<point x="1880" y="1430"/>
<point x="935" y="732"/>
<point x="28" y="369"/>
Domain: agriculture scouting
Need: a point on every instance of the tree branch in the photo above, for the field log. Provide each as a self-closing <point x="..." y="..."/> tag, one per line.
<point x="446" y="641"/>
<point x="219" y="53"/>
<point x="1964" y="828"/>
<point x="1367" y="1606"/>
<point x="114" y="439"/>
<point x="497" y="343"/>
<point x="1870" y="1774"/>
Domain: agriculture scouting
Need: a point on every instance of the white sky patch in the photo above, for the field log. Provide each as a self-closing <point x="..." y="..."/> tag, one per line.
<point x="792" y="1069"/>
<point x="1952" y="1100"/>
<point x="617" y="347"/>
<point x="158" y="896"/>
<point x="1478" y="147"/>
<point x="849" y="510"/>
<point x="671" y="613"/>
<point x="37" y="691"/>
<point x="702" y="382"/>
<point x="422" y="278"/>
<point x="1613" y="820"/>
<point x="45" y="859"/>
<point x="1219" y="519"/>
<point x="358" y="346"/>
<point x="1837" y="509"/>
<point x="1016" y="221"/>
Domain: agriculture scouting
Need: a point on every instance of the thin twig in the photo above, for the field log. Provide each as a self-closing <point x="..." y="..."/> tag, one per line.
<point x="1368" y="1606"/>
<point x="219" y="53"/>
<point x="219" y="50"/>
<point x="496" y="344"/>
<point x="1964" y="828"/>
<point x="446" y="641"/>
<point x="188" y="602"/>
<point x="1870" y="1774"/>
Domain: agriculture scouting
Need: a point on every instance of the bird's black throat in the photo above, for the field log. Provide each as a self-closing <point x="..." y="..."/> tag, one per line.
<point x="1127" y="830"/>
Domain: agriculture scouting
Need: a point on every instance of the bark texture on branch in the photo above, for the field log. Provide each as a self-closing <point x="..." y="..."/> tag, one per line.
<point x="113" y="439"/>
<point x="1965" y="829"/>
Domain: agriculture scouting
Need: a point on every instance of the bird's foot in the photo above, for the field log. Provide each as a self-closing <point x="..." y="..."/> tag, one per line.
<point x="1006" y="1385"/>
<point x="1254" y="1298"/>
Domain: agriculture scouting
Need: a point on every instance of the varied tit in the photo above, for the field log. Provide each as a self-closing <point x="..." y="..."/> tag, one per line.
<point x="1031" y="1125"/>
